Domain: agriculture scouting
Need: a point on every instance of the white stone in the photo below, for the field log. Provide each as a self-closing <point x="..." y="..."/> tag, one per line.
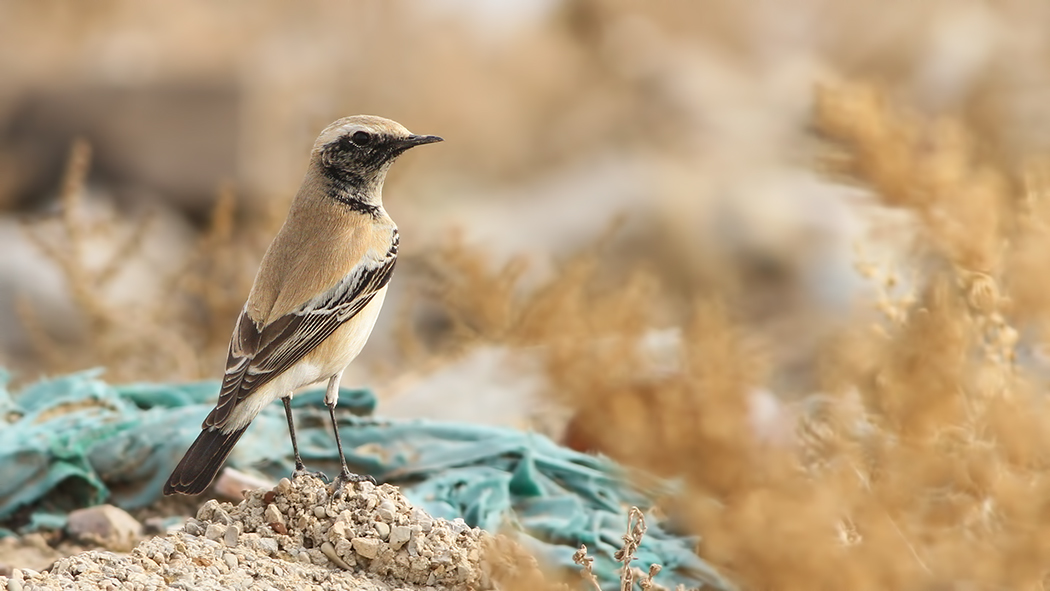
<point x="367" y="547"/>
<point x="232" y="534"/>
<point x="110" y="525"/>
<point x="399" y="534"/>
<point x="231" y="484"/>
<point x="382" y="529"/>
<point x="215" y="531"/>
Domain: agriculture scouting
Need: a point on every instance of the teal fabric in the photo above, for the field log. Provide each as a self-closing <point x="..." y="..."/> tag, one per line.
<point x="75" y="441"/>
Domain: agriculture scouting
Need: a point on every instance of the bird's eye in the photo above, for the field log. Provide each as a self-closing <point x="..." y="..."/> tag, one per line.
<point x="361" y="138"/>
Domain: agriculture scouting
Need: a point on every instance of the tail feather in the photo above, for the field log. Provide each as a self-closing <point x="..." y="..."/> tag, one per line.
<point x="202" y="461"/>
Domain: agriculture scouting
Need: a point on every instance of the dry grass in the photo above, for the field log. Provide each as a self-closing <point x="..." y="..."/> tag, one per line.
<point x="514" y="569"/>
<point x="625" y="555"/>
<point x="180" y="335"/>
<point x="919" y="465"/>
<point x="922" y="462"/>
<point x="921" y="459"/>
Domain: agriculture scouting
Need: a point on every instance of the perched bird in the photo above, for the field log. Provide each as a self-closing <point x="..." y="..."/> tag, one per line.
<point x="316" y="296"/>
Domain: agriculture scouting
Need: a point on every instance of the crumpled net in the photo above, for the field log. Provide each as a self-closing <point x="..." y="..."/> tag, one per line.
<point x="76" y="441"/>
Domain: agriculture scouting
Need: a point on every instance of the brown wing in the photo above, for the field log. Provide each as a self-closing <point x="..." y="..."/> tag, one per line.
<point x="257" y="356"/>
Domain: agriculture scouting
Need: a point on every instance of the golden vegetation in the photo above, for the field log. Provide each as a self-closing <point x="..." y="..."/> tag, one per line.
<point x="922" y="461"/>
<point x="180" y="334"/>
<point x="919" y="461"/>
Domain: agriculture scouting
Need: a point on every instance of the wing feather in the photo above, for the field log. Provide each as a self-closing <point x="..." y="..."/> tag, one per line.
<point x="256" y="355"/>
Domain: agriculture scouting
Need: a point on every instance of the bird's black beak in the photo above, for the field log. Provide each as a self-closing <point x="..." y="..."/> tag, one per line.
<point x="418" y="140"/>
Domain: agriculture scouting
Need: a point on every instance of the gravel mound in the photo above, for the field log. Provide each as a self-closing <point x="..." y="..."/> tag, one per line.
<point x="296" y="536"/>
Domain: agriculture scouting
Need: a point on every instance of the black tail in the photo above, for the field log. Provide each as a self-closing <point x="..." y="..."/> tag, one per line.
<point x="202" y="462"/>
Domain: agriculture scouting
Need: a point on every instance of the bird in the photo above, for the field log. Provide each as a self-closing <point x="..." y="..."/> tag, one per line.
<point x="316" y="296"/>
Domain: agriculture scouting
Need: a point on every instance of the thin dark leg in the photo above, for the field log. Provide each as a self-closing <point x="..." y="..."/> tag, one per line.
<point x="300" y="468"/>
<point x="345" y="475"/>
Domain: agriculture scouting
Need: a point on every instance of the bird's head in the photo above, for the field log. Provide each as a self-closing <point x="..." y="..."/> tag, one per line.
<point x="356" y="152"/>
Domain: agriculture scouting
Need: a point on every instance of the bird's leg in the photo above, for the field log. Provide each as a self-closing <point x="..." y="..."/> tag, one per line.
<point x="331" y="398"/>
<point x="300" y="468"/>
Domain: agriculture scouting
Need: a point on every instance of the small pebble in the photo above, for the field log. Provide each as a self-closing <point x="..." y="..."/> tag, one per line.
<point x="14" y="585"/>
<point x="382" y="529"/>
<point x="215" y="531"/>
<point x="319" y="512"/>
<point x="344" y="548"/>
<point x="329" y="550"/>
<point x="221" y="516"/>
<point x="338" y="530"/>
<point x="232" y="535"/>
<point x="193" y="527"/>
<point x="386" y="511"/>
<point x="413" y="545"/>
<point x="236" y="485"/>
<point x="367" y="547"/>
<point x="207" y="510"/>
<point x="112" y="525"/>
<point x="424" y="520"/>
<point x="273" y="514"/>
<point x="399" y="534"/>
<point x="268" y="545"/>
<point x="231" y="560"/>
<point x="284" y="486"/>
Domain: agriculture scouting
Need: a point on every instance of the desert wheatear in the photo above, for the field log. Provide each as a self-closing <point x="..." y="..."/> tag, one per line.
<point x="317" y="294"/>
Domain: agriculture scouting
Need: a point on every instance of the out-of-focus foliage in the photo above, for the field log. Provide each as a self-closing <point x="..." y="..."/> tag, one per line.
<point x="791" y="252"/>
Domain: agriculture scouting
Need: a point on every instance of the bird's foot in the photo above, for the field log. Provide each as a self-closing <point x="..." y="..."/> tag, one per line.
<point x="301" y="471"/>
<point x="347" y="477"/>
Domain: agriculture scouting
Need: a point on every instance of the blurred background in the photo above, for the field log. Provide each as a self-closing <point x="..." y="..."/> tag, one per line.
<point x="607" y="166"/>
<point x="686" y="127"/>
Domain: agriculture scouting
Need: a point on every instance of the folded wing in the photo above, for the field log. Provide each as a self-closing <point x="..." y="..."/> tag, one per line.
<point x="256" y="355"/>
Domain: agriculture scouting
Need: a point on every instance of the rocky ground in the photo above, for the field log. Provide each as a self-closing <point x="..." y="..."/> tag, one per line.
<point x="295" y="536"/>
